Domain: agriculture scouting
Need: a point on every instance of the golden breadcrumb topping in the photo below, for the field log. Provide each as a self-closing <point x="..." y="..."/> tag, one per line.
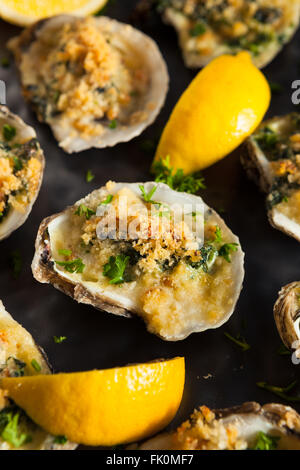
<point x="19" y="180"/>
<point x="204" y="432"/>
<point x="84" y="79"/>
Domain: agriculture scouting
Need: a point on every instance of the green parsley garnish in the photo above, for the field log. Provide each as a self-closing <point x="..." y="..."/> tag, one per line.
<point x="8" y="132"/>
<point x="177" y="180"/>
<point x="16" y="261"/>
<point x="60" y="440"/>
<point x="267" y="139"/>
<point x="18" y="164"/>
<point x="226" y="250"/>
<point x="115" y="268"/>
<point x="89" y="176"/>
<point x="198" y="30"/>
<point x="239" y="341"/>
<point x="65" y="252"/>
<point x="107" y="200"/>
<point x="281" y="392"/>
<point x="36" y="365"/>
<point x="10" y="432"/>
<point x="84" y="210"/>
<point x="266" y="442"/>
<point x="73" y="266"/>
<point x="218" y="235"/>
<point x="113" y="124"/>
<point x="148" y="197"/>
<point x="59" y="339"/>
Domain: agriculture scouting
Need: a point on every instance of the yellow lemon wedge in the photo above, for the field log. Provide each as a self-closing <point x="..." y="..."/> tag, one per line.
<point x="24" y="13"/>
<point x="102" y="407"/>
<point x="222" y="106"/>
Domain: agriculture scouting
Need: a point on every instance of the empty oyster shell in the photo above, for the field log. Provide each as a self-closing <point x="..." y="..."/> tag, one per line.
<point x="19" y="355"/>
<point x="176" y="286"/>
<point x="287" y="315"/>
<point x="209" y="29"/>
<point x="21" y="171"/>
<point x="95" y="81"/>
<point x="271" y="158"/>
<point x="235" y="428"/>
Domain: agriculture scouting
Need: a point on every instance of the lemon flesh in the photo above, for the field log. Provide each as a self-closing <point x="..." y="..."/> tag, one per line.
<point x="24" y="13"/>
<point x="222" y="106"/>
<point x="102" y="407"/>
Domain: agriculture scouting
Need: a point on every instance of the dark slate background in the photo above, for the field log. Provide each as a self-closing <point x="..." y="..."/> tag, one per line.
<point x="101" y="340"/>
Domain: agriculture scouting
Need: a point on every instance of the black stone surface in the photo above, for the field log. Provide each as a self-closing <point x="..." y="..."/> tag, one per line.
<point x="101" y="340"/>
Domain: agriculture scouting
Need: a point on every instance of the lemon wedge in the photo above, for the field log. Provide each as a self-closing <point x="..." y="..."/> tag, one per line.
<point x="102" y="407"/>
<point x="222" y="106"/>
<point x="24" y="13"/>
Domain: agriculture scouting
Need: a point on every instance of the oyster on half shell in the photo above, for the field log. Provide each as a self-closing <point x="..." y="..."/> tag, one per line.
<point x="104" y="251"/>
<point x="207" y="29"/>
<point x="21" y="171"/>
<point x="249" y="426"/>
<point x="287" y="315"/>
<point x="95" y="81"/>
<point x="20" y="355"/>
<point x="271" y="158"/>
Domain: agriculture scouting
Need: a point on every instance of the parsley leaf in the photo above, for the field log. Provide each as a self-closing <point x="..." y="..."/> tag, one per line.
<point x="177" y="180"/>
<point x="9" y="132"/>
<point x="107" y="200"/>
<point x="113" y="124"/>
<point x="84" y="210"/>
<point x="148" y="197"/>
<point x="59" y="339"/>
<point x="73" y="266"/>
<point x="266" y="442"/>
<point x="281" y="392"/>
<point x="89" y="176"/>
<point x="226" y="250"/>
<point x="239" y="341"/>
<point x="115" y="268"/>
<point x="10" y="433"/>
<point x="18" y="164"/>
<point x="218" y="235"/>
<point x="65" y="252"/>
<point x="198" y="30"/>
<point x="60" y="440"/>
<point x="36" y="365"/>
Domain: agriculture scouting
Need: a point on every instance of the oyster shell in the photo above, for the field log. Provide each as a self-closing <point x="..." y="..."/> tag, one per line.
<point x="17" y="351"/>
<point x="167" y="282"/>
<point x="209" y="29"/>
<point x="95" y="100"/>
<point x="233" y="429"/>
<point x="287" y="315"/>
<point x="14" y="215"/>
<point x="271" y="159"/>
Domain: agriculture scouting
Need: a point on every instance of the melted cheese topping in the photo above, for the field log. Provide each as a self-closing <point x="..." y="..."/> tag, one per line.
<point x="84" y="79"/>
<point x="171" y="281"/>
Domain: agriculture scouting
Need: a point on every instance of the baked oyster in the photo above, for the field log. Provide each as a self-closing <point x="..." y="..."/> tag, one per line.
<point x="19" y="355"/>
<point x="287" y="316"/>
<point x="144" y="249"/>
<point x="21" y="171"/>
<point x="95" y="81"/>
<point x="209" y="28"/>
<point x="272" y="159"/>
<point x="249" y="426"/>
